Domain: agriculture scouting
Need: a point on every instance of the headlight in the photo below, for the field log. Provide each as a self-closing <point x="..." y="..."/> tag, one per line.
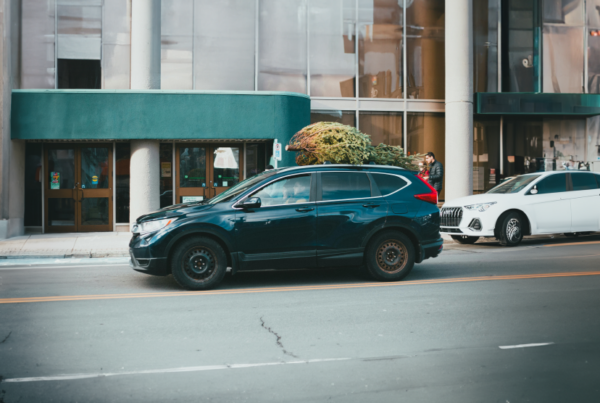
<point x="481" y="207"/>
<point x="151" y="226"/>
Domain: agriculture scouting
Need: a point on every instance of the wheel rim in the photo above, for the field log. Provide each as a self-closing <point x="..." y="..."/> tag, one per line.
<point x="513" y="230"/>
<point x="392" y="256"/>
<point x="199" y="263"/>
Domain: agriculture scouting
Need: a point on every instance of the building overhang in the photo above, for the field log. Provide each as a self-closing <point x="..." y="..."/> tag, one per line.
<point x="156" y="115"/>
<point x="526" y="103"/>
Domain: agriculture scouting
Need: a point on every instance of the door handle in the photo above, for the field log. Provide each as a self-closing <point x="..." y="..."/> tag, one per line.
<point x="370" y="205"/>
<point x="305" y="209"/>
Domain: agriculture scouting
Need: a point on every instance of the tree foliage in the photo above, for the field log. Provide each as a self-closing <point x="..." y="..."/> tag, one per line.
<point x="341" y="144"/>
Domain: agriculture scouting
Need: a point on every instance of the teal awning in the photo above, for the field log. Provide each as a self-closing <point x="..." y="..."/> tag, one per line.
<point x="524" y="103"/>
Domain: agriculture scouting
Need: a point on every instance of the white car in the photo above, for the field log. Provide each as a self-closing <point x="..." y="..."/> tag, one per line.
<point x="565" y="202"/>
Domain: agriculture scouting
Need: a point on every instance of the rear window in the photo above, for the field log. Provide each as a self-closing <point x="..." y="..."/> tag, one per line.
<point x="345" y="185"/>
<point x="583" y="181"/>
<point x="388" y="183"/>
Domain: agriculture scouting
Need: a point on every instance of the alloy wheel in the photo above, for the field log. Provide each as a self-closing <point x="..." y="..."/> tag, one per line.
<point x="513" y="230"/>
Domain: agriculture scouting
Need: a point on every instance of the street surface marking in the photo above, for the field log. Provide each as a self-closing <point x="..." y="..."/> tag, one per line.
<point x="526" y="345"/>
<point x="574" y="243"/>
<point x="167" y="370"/>
<point x="293" y="288"/>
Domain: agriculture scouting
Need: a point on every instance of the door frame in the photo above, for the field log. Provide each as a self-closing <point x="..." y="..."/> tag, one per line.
<point x="209" y="191"/>
<point x="77" y="193"/>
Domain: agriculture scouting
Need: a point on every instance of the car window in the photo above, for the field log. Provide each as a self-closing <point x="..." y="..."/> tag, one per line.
<point x="597" y="179"/>
<point x="388" y="183"/>
<point x="345" y="185"/>
<point x="514" y="185"/>
<point x="552" y="184"/>
<point x="241" y="187"/>
<point x="285" y="191"/>
<point x="583" y="181"/>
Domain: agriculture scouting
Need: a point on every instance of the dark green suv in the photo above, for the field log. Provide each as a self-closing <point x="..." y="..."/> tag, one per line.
<point x="381" y="218"/>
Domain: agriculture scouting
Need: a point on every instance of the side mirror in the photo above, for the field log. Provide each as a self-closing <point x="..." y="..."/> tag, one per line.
<point x="251" y="202"/>
<point x="533" y="190"/>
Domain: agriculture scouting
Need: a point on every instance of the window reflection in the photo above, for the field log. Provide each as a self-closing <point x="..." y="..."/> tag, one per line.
<point x="427" y="132"/>
<point x="332" y="48"/>
<point x="282" y="47"/>
<point x="486" y="153"/>
<point x="522" y="61"/>
<point x="383" y="127"/>
<point x="380" y="49"/>
<point x="425" y="49"/>
<point x="343" y="117"/>
<point x="485" y="45"/>
<point x="176" y="44"/>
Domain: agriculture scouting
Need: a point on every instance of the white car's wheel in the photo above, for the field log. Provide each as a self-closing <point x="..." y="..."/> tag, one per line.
<point x="510" y="232"/>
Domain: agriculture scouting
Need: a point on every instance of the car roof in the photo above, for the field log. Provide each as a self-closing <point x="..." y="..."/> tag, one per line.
<point x="322" y="167"/>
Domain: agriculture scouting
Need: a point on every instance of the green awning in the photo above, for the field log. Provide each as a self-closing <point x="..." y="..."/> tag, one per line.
<point x="525" y="103"/>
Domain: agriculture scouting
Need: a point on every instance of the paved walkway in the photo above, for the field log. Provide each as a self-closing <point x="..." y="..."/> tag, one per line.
<point x="69" y="245"/>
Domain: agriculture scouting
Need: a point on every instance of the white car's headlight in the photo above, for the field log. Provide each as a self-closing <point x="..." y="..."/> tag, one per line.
<point x="481" y="207"/>
<point x="151" y="226"/>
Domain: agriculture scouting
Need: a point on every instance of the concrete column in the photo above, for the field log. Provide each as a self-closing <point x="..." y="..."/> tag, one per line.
<point x="144" y="186"/>
<point x="144" y="180"/>
<point x="145" y="44"/>
<point x="459" y="99"/>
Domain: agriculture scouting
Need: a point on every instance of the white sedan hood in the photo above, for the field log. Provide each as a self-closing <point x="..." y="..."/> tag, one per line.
<point x="475" y="199"/>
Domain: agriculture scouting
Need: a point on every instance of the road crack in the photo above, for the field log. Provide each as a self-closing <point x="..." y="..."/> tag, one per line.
<point x="6" y="338"/>
<point x="278" y="341"/>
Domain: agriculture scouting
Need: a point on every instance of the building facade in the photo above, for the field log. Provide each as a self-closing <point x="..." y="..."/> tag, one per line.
<point x="114" y="107"/>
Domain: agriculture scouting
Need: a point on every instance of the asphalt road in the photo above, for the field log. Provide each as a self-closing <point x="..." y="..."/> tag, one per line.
<point x="481" y="323"/>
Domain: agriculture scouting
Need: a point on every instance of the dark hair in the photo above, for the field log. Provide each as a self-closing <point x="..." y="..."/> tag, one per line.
<point x="430" y="154"/>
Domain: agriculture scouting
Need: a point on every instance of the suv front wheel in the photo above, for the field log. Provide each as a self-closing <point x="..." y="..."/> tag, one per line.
<point x="198" y="263"/>
<point x="390" y="256"/>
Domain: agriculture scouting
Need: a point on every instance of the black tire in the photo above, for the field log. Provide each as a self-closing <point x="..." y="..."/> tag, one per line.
<point x="510" y="231"/>
<point x="390" y="256"/>
<point x="198" y="263"/>
<point x="572" y="234"/>
<point x="464" y="239"/>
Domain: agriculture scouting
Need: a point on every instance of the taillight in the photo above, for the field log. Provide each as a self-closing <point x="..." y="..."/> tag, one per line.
<point x="431" y="197"/>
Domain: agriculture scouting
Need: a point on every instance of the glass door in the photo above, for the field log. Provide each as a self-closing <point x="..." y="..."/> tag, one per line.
<point x="204" y="171"/>
<point x="78" y="188"/>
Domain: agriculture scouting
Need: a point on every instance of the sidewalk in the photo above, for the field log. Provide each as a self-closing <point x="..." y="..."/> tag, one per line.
<point x="69" y="245"/>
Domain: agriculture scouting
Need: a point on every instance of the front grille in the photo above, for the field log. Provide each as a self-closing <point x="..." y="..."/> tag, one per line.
<point x="451" y="216"/>
<point x="451" y="230"/>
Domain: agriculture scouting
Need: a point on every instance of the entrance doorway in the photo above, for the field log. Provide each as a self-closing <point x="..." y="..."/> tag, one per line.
<point x="78" y="187"/>
<point x="206" y="170"/>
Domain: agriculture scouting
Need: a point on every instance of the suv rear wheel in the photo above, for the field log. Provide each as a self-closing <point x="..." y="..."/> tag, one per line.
<point x="390" y="256"/>
<point x="198" y="263"/>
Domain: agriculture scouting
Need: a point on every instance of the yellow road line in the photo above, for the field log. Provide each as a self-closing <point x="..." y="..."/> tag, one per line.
<point x="293" y="288"/>
<point x="574" y="243"/>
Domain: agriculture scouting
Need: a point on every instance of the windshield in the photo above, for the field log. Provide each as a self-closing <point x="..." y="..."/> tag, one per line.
<point x="514" y="185"/>
<point x="241" y="187"/>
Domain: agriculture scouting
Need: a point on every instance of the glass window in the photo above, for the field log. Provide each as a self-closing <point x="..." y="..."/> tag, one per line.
<point x="343" y="117"/>
<point x="123" y="157"/>
<point x="61" y="168"/>
<point x="345" y="185"/>
<point x="192" y="167"/>
<point x="332" y="48"/>
<point x="380" y="62"/>
<point x="597" y="179"/>
<point x="564" y="144"/>
<point x="566" y="12"/>
<point x="166" y="174"/>
<point x="594" y="62"/>
<point x="79" y="74"/>
<point x="514" y="185"/>
<point x="176" y="44"/>
<point x="486" y="153"/>
<point x="61" y="212"/>
<point x="523" y="146"/>
<point x="226" y="166"/>
<point x="583" y="181"/>
<point x="563" y="59"/>
<point x="37" y="44"/>
<point x="485" y="45"/>
<point x="224" y="44"/>
<point x="425" y="49"/>
<point x="94" y="168"/>
<point x="282" y="46"/>
<point x="388" y="183"/>
<point x="427" y="133"/>
<point x="522" y="62"/>
<point x="255" y="159"/>
<point x="383" y="127"/>
<point x="79" y="31"/>
<point x="553" y="184"/>
<point x="593" y="13"/>
<point x="116" y="45"/>
<point x="286" y="191"/>
<point x="33" y="184"/>
<point x="94" y="211"/>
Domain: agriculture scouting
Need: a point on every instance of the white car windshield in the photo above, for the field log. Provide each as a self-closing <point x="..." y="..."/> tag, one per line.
<point x="514" y="185"/>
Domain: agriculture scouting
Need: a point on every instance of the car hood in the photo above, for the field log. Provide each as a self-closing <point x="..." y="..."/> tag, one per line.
<point x="176" y="210"/>
<point x="475" y="199"/>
